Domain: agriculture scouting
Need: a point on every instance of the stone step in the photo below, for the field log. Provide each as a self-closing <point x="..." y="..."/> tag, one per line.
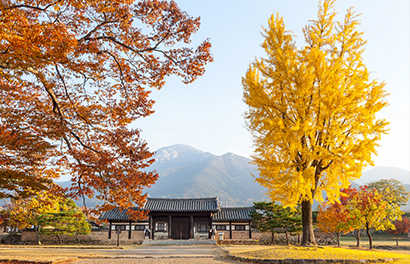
<point x="178" y="242"/>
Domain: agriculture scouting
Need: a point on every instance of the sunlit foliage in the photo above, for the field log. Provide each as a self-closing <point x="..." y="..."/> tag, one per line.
<point x="25" y="213"/>
<point x="312" y="110"/>
<point x="332" y="218"/>
<point x="392" y="188"/>
<point x="369" y="209"/>
<point x="74" y="76"/>
<point x="67" y="220"/>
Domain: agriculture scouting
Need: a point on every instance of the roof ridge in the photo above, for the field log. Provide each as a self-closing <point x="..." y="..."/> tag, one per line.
<point x="176" y="199"/>
<point x="238" y="207"/>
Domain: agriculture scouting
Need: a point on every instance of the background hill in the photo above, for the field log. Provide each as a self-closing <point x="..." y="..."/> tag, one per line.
<point x="378" y="173"/>
<point x="186" y="172"/>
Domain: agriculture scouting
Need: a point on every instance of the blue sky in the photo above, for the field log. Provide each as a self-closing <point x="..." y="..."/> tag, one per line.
<point x="208" y="114"/>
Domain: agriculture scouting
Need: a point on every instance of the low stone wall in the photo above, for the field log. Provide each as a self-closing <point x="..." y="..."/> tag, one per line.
<point x="238" y="237"/>
<point x="265" y="238"/>
<point x="238" y="242"/>
<point x="95" y="238"/>
<point x="235" y="234"/>
<point x="10" y="238"/>
<point x="325" y="238"/>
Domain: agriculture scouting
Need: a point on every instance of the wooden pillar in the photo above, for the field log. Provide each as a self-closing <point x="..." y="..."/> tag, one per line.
<point x="129" y="231"/>
<point x="109" y="231"/>
<point x="250" y="230"/>
<point x="151" y="227"/>
<point x="192" y="226"/>
<point x="230" y="229"/>
<point x="169" y="226"/>
<point x="210" y="224"/>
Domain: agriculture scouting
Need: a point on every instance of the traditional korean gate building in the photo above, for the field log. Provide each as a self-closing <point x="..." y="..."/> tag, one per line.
<point x="182" y="219"/>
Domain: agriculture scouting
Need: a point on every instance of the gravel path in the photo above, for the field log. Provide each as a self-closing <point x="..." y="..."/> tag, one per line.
<point x="209" y="260"/>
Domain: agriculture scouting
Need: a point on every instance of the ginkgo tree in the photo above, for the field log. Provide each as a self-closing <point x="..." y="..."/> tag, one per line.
<point x="74" y="76"/>
<point x="312" y="110"/>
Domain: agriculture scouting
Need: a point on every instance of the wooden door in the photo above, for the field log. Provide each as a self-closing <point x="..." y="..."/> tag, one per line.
<point x="180" y="229"/>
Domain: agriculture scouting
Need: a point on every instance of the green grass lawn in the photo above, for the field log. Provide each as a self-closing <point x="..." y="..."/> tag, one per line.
<point x="379" y="239"/>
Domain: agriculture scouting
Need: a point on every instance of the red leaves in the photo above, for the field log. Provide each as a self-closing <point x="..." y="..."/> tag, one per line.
<point x="76" y="74"/>
<point x="402" y="227"/>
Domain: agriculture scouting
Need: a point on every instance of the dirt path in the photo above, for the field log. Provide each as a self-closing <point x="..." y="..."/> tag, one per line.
<point x="198" y="260"/>
<point x="139" y="254"/>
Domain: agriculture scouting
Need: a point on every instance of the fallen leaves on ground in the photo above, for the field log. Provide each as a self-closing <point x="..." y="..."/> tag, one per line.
<point x="296" y="252"/>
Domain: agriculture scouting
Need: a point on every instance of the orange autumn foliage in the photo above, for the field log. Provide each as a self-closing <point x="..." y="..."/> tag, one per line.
<point x="74" y="75"/>
<point x="400" y="227"/>
<point x="330" y="219"/>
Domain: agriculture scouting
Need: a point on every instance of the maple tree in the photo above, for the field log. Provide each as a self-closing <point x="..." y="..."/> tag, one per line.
<point x="311" y="111"/>
<point x="332" y="218"/>
<point x="369" y="209"/>
<point x="400" y="227"/>
<point x="357" y="231"/>
<point x="74" y="76"/>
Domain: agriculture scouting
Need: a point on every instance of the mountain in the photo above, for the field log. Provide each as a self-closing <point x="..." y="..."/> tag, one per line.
<point x="378" y="173"/>
<point x="185" y="172"/>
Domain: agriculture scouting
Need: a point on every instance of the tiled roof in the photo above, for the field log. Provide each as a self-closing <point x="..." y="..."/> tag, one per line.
<point x="166" y="205"/>
<point x="116" y="214"/>
<point x="182" y="205"/>
<point x="233" y="214"/>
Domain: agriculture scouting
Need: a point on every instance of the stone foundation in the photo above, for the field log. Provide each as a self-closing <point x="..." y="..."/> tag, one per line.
<point x="94" y="238"/>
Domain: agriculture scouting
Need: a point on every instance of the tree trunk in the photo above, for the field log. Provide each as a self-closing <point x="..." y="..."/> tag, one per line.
<point x="397" y="240"/>
<point x="287" y="238"/>
<point x="369" y="235"/>
<point x="308" y="237"/>
<point x="356" y="235"/>
<point x="37" y="235"/>
<point x="338" y="239"/>
<point x="273" y="238"/>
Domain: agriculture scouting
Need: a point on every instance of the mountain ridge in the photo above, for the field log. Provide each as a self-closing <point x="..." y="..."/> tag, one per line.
<point x="186" y="172"/>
